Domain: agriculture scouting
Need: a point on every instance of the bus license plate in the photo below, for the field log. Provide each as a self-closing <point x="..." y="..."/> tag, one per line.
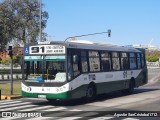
<point x="42" y="96"/>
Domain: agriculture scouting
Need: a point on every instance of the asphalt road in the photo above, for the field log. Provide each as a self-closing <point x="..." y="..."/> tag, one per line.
<point x="153" y="73"/>
<point x="144" y="101"/>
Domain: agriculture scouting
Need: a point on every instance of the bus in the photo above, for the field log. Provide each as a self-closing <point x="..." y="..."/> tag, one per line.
<point x="81" y="69"/>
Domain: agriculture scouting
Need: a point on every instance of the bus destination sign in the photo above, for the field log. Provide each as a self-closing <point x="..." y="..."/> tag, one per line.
<point x="46" y="49"/>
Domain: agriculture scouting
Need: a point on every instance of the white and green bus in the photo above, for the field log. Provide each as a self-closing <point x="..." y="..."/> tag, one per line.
<point x="76" y="69"/>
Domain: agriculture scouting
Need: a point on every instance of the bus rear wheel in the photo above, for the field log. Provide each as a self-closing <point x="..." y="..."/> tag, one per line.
<point x="131" y="87"/>
<point x="91" y="93"/>
<point x="51" y="100"/>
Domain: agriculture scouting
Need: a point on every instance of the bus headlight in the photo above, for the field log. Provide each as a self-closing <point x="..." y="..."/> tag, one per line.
<point x="26" y="88"/>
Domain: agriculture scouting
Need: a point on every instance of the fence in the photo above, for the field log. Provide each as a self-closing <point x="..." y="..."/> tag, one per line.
<point x="7" y="76"/>
<point x="5" y="72"/>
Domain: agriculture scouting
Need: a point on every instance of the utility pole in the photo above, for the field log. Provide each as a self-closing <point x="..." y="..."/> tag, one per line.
<point x="11" y="54"/>
<point x="40" y="20"/>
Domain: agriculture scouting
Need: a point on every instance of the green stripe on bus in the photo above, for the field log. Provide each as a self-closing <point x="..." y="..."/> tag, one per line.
<point x="64" y="95"/>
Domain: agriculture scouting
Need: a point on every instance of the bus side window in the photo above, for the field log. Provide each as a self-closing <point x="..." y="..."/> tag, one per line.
<point x="124" y="61"/>
<point x="138" y="60"/>
<point x="142" y="60"/>
<point x="94" y="61"/>
<point x="132" y="61"/>
<point x="84" y="63"/>
<point x="70" y="67"/>
<point x="105" y="61"/>
<point x="76" y="66"/>
<point x="115" y="61"/>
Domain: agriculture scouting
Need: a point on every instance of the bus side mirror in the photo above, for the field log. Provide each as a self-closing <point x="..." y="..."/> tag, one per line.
<point x="75" y="58"/>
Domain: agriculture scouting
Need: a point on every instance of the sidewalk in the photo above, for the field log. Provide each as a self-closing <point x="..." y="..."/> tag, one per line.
<point x="149" y="67"/>
<point x="9" y="97"/>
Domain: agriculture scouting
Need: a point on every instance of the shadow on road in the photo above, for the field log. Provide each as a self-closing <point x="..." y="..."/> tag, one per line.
<point x="99" y="98"/>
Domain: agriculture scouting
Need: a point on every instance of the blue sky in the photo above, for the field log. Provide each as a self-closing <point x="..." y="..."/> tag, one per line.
<point x="131" y="21"/>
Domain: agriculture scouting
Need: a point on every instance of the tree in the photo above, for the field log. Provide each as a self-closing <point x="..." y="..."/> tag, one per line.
<point x="6" y="61"/>
<point x="20" y="19"/>
<point x="3" y="39"/>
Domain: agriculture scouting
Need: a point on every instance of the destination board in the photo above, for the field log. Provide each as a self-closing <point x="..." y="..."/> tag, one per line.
<point x="45" y="49"/>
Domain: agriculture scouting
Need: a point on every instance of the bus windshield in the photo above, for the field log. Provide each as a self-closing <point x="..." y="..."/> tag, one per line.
<point x="44" y="68"/>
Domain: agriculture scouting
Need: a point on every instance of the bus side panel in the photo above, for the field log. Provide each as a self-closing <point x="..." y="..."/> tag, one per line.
<point x="78" y="92"/>
<point x="107" y="87"/>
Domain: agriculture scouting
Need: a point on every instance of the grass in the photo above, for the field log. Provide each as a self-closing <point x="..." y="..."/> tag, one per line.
<point x="5" y="89"/>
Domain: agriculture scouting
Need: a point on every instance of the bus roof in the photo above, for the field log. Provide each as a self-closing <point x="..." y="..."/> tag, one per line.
<point x="81" y="44"/>
<point x="84" y="44"/>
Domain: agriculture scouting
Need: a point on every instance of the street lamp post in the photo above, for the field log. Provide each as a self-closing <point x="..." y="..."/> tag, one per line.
<point x="109" y="35"/>
<point x="40" y="20"/>
<point x="11" y="56"/>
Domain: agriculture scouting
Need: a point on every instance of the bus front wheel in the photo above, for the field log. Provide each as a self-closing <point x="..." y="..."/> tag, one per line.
<point x="91" y="93"/>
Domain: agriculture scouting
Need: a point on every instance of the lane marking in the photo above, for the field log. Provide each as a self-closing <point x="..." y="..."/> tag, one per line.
<point x="14" y="105"/>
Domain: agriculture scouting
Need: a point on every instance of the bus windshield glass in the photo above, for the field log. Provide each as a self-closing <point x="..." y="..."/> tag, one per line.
<point x="45" y="68"/>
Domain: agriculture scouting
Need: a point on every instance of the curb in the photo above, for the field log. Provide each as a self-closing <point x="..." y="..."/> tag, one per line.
<point x="10" y="97"/>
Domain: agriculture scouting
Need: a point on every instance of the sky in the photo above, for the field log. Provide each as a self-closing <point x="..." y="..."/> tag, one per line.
<point x="131" y="21"/>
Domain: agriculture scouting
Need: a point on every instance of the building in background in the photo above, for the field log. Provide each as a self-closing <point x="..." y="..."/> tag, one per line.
<point x="17" y="51"/>
<point x="149" y="47"/>
<point x="4" y="54"/>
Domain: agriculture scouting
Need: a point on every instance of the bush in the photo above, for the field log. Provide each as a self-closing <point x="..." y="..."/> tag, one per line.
<point x="6" y="61"/>
<point x="152" y="58"/>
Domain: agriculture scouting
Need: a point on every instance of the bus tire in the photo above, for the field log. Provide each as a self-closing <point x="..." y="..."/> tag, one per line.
<point x="131" y="87"/>
<point x="51" y="100"/>
<point x="91" y="93"/>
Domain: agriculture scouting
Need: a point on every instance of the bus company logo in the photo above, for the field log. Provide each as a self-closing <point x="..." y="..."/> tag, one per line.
<point x="6" y="114"/>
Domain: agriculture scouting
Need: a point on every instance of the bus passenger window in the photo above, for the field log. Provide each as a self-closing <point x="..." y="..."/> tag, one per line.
<point x="115" y="61"/>
<point x="76" y="66"/>
<point x="105" y="61"/>
<point x="84" y="63"/>
<point x="132" y="61"/>
<point x="94" y="61"/>
<point x="70" y="68"/>
<point x="142" y="60"/>
<point x="124" y="61"/>
<point x="138" y="60"/>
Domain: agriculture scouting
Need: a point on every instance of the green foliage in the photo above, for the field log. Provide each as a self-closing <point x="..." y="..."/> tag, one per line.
<point x="19" y="19"/>
<point x="152" y="58"/>
<point x="15" y="58"/>
<point x="6" y="61"/>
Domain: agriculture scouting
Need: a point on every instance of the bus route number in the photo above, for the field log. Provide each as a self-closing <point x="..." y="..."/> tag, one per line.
<point x="37" y="49"/>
